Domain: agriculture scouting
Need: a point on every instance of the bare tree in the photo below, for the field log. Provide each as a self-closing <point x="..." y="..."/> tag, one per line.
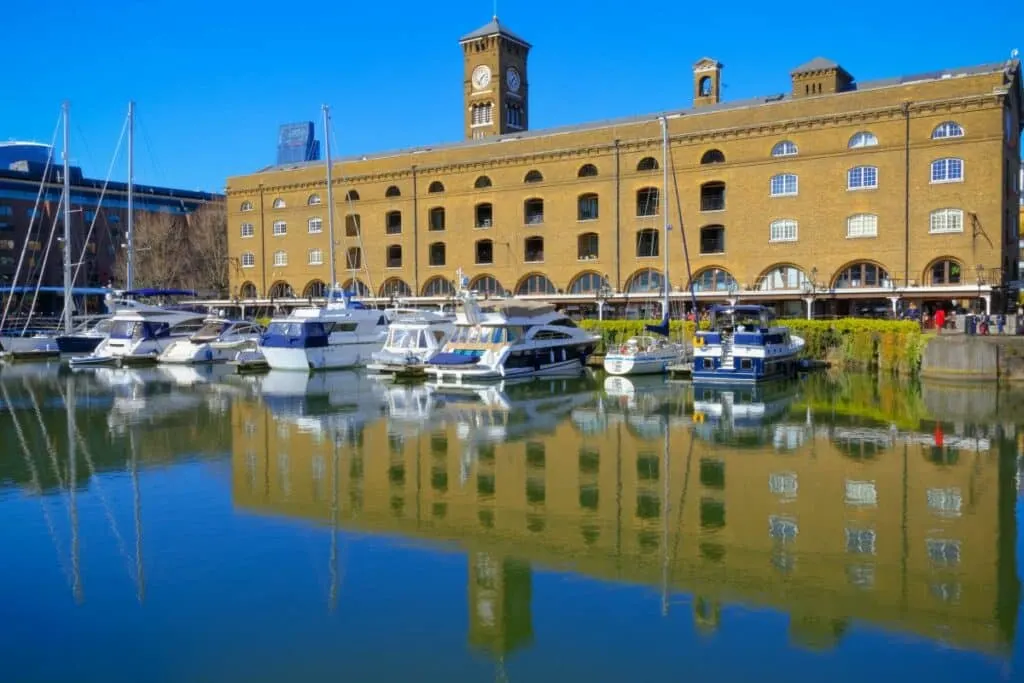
<point x="181" y="251"/>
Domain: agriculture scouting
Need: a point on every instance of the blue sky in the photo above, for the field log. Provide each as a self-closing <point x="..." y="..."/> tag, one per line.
<point x="213" y="80"/>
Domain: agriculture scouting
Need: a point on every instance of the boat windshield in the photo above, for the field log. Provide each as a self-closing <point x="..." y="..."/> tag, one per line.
<point x="211" y="330"/>
<point x="126" y="329"/>
<point x="400" y="338"/>
<point x="296" y="329"/>
<point x="103" y="326"/>
<point x="487" y="334"/>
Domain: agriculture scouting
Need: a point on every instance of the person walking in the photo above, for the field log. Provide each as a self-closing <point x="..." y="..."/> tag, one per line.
<point x="940" y="320"/>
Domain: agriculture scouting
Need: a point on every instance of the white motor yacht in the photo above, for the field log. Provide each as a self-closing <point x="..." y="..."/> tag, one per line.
<point x="340" y="335"/>
<point x="414" y="338"/>
<point x="643" y="355"/>
<point x="140" y="336"/>
<point x="510" y="338"/>
<point x="218" y="341"/>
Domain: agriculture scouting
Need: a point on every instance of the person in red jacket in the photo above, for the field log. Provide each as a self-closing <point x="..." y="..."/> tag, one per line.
<point x="940" y="320"/>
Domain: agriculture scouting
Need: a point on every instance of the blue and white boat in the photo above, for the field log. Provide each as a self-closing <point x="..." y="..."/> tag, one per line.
<point x="744" y="346"/>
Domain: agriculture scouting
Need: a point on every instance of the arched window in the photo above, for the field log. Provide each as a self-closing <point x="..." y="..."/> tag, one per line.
<point x="393" y="223"/>
<point x="315" y="225"/>
<point x="436" y="254"/>
<point x="351" y="196"/>
<point x="647" y="201"/>
<point x="356" y="286"/>
<point x="533" y="250"/>
<point x="781" y="277"/>
<point x="279" y="203"/>
<point x="484" y="252"/>
<point x="950" y="170"/>
<point x="645" y="281"/>
<point x="436" y="219"/>
<point x="947" y="129"/>
<point x="784" y="148"/>
<point x="246" y="206"/>
<point x="783" y="185"/>
<point x="396" y="287"/>
<point x="393" y="256"/>
<point x="588" y="246"/>
<point x="315" y="257"/>
<point x="438" y="286"/>
<point x="482" y="182"/>
<point x="483" y="215"/>
<point x="314" y="289"/>
<point x="712" y="156"/>
<point x="946" y="220"/>
<point x="712" y="239"/>
<point x="712" y="196"/>
<point x="862" y="225"/>
<point x="704" y="86"/>
<point x="248" y="259"/>
<point x="281" y="290"/>
<point x="354" y="258"/>
<point x="280" y="258"/>
<point x="533" y="211"/>
<point x="945" y="271"/>
<point x="313" y="200"/>
<point x="862" y="139"/>
<point x="862" y="274"/>
<point x="862" y="178"/>
<point x="248" y="230"/>
<point x="534" y="176"/>
<point x="587" y="207"/>
<point x="536" y="284"/>
<point x="392" y="191"/>
<point x="435" y="187"/>
<point x="587" y="171"/>
<point x="647" y="243"/>
<point x="247" y="291"/>
<point x="485" y="284"/>
<point x="587" y="282"/>
<point x="647" y="164"/>
<point x="782" y="230"/>
<point x="714" y="280"/>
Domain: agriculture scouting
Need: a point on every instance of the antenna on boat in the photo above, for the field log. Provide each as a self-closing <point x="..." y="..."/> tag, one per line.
<point x="330" y="200"/>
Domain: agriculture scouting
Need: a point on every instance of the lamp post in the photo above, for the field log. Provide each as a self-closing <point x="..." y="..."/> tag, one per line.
<point x="810" y="287"/>
<point x="894" y="298"/>
<point x="732" y="288"/>
<point x="604" y="293"/>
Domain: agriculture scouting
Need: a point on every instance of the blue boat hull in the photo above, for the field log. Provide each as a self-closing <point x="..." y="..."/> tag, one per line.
<point x="761" y="370"/>
<point x="73" y="344"/>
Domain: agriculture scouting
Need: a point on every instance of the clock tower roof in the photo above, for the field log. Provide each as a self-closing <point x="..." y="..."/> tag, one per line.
<point x="492" y="28"/>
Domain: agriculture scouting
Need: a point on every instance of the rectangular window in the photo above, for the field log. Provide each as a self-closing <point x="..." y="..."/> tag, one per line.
<point x="783" y="484"/>
<point x="782" y="231"/>
<point x="588" y="208"/>
<point x="862" y="178"/>
<point x="280" y="258"/>
<point x="860" y="541"/>
<point x="248" y="260"/>
<point x="647" y="243"/>
<point x="946" y="220"/>
<point x="861" y="493"/>
<point x="280" y="228"/>
<point x="316" y="257"/>
<point x="945" y="502"/>
<point x="864" y="225"/>
<point x="947" y="170"/>
<point x="784" y="185"/>
<point x="315" y="225"/>
<point x="248" y="230"/>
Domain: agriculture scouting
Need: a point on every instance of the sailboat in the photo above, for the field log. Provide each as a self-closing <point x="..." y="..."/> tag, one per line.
<point x="342" y="334"/>
<point x="651" y="354"/>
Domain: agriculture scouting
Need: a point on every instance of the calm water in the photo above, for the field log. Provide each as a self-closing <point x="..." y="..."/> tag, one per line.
<point x="180" y="525"/>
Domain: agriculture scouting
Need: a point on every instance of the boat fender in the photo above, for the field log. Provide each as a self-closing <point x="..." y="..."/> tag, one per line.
<point x="698" y="341"/>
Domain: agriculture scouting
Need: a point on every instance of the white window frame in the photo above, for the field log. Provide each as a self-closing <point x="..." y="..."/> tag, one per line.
<point x="948" y="130"/>
<point x="280" y="228"/>
<point x="248" y="259"/>
<point x="783" y="230"/>
<point x="862" y="178"/>
<point x="861" y="232"/>
<point x="861" y="139"/>
<point x="939" y="221"/>
<point x="246" y="206"/>
<point x="280" y="258"/>
<point x="279" y="203"/>
<point x="945" y="164"/>
<point x="316" y="222"/>
<point x="785" y="148"/>
<point x="313" y="200"/>
<point x="248" y="230"/>
<point x="783" y="191"/>
<point x="315" y="257"/>
<point x="861" y="493"/>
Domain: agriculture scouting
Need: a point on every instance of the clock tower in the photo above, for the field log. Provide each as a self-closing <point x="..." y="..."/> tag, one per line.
<point x="495" y="91"/>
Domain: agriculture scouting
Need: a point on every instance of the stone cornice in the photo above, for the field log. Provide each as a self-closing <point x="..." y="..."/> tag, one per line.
<point x="643" y="144"/>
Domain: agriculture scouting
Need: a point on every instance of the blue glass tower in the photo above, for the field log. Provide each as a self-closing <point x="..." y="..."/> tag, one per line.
<point x="295" y="143"/>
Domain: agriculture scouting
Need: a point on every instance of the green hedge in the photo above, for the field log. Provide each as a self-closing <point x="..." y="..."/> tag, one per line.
<point x="894" y="346"/>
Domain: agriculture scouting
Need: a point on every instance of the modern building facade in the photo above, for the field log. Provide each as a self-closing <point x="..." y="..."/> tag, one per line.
<point x="296" y="143"/>
<point x="830" y="190"/>
<point x="30" y="217"/>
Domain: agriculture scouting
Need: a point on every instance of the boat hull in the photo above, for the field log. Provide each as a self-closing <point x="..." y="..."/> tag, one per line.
<point x="330" y="357"/>
<point x="639" y="364"/>
<point x="471" y="373"/>
<point x="185" y="352"/>
<point x="77" y="344"/>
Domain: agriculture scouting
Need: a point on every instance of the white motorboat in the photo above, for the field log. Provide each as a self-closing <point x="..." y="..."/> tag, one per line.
<point x="340" y="335"/>
<point x="140" y="336"/>
<point x="510" y="338"/>
<point x="643" y="355"/>
<point x="218" y="341"/>
<point x="414" y="338"/>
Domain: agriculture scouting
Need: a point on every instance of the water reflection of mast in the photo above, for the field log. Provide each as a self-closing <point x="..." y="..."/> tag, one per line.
<point x="332" y="596"/>
<point x="140" y="585"/>
<point x="69" y="408"/>
<point x="664" y="524"/>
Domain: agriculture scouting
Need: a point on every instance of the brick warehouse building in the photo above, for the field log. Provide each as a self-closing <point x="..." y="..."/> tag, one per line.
<point x="22" y="167"/>
<point x="831" y="192"/>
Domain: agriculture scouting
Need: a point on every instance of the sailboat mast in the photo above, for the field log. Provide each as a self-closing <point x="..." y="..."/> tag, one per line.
<point x="66" y="107"/>
<point x="330" y="196"/>
<point x="130" y="240"/>
<point x="664" y="208"/>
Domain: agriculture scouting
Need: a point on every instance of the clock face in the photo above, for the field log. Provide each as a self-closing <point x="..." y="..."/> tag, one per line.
<point x="481" y="77"/>
<point x="513" y="79"/>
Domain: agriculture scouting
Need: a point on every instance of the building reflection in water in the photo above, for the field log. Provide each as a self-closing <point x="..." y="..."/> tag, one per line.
<point x="763" y="500"/>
